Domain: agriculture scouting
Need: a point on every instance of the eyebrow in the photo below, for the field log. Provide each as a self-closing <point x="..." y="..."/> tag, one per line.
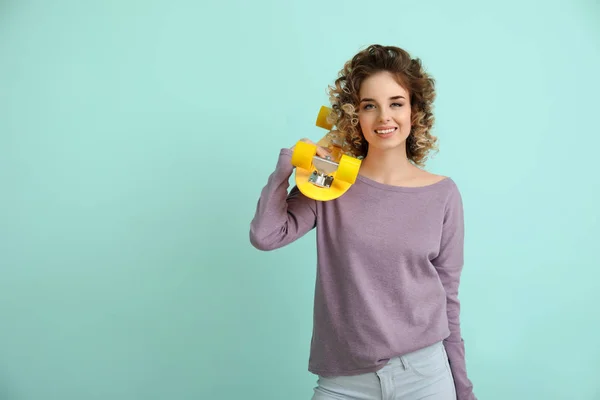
<point x="391" y="98"/>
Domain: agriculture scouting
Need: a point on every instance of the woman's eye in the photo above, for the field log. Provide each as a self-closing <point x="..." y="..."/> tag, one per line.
<point x="370" y="106"/>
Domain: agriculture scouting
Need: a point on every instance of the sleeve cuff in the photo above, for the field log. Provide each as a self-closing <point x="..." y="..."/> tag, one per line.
<point x="456" y="358"/>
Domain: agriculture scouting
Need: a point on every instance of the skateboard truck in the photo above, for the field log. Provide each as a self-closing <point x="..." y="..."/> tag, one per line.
<point x="321" y="176"/>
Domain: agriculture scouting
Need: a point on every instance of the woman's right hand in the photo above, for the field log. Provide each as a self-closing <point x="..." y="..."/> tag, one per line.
<point x="321" y="151"/>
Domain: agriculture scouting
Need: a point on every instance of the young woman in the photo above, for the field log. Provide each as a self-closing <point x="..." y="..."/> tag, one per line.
<point x="389" y="251"/>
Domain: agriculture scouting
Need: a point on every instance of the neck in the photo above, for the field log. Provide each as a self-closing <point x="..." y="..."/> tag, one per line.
<point x="387" y="166"/>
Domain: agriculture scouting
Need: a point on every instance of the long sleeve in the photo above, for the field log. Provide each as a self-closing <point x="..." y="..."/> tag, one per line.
<point x="449" y="264"/>
<point x="281" y="218"/>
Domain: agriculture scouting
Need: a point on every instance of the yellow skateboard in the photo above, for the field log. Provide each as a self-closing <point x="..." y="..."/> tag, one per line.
<point x="328" y="178"/>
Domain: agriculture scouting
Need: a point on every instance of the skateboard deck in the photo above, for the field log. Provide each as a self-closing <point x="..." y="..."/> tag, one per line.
<point x="321" y="178"/>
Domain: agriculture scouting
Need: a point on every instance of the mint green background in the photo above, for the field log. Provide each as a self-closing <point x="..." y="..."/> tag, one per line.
<point x="135" y="137"/>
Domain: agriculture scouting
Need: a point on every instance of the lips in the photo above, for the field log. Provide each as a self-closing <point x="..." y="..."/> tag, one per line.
<point x="385" y="130"/>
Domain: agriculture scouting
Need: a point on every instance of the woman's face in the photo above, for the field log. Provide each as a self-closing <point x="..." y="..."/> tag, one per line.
<point x="384" y="112"/>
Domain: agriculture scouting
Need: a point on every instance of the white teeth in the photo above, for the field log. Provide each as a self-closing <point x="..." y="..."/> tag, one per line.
<point x="385" y="131"/>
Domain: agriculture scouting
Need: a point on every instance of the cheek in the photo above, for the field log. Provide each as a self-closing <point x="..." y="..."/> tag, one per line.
<point x="364" y="122"/>
<point x="406" y="120"/>
<point x="406" y="116"/>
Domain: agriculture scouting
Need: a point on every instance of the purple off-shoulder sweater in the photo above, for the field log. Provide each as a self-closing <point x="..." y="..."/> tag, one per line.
<point x="389" y="260"/>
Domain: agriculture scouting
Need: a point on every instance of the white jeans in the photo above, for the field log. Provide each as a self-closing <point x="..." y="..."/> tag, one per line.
<point x="423" y="374"/>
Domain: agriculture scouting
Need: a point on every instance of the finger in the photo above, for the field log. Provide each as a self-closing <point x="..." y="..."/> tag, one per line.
<point x="323" y="152"/>
<point x="305" y="140"/>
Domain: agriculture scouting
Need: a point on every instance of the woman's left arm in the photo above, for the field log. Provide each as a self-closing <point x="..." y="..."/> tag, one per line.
<point x="449" y="264"/>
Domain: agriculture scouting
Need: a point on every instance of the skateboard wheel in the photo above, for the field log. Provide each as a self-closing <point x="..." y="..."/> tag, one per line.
<point x="303" y="155"/>
<point x="348" y="168"/>
<point x="322" y="118"/>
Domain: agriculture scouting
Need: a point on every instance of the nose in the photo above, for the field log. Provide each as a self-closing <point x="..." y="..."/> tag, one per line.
<point x="383" y="116"/>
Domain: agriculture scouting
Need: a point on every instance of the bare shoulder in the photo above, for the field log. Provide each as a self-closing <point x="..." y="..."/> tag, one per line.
<point x="425" y="178"/>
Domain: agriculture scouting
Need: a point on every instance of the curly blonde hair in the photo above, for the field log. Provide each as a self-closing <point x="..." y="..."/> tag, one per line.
<point x="409" y="72"/>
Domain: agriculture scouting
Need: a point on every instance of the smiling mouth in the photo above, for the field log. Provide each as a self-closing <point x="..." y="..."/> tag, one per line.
<point x="384" y="131"/>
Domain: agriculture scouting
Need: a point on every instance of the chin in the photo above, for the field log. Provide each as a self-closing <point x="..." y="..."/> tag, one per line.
<point x="387" y="143"/>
